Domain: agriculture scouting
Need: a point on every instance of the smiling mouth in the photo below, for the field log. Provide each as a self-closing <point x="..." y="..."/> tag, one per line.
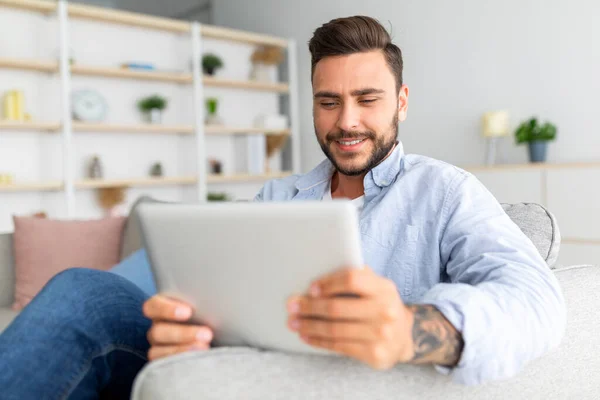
<point x="350" y="142"/>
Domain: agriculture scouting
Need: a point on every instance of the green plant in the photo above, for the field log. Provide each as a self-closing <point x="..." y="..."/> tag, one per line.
<point x="211" y="62"/>
<point x="217" y="197"/>
<point x="211" y="105"/>
<point x="530" y="131"/>
<point x="152" y="102"/>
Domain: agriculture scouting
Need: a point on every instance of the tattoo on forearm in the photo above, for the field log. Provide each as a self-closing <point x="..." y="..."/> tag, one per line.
<point x="435" y="338"/>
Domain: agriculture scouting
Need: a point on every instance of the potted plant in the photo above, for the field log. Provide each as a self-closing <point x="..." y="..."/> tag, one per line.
<point x="212" y="118"/>
<point x="217" y="196"/>
<point x="211" y="63"/>
<point x="156" y="170"/>
<point x="152" y="107"/>
<point x="262" y="58"/>
<point x="537" y="136"/>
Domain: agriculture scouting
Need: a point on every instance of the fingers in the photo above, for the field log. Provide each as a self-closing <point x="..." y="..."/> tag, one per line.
<point x="363" y="282"/>
<point x="341" y="331"/>
<point x="374" y="355"/>
<point x="157" y="352"/>
<point x="337" y="308"/>
<point x="177" y="334"/>
<point x="168" y="338"/>
<point x="160" y="307"/>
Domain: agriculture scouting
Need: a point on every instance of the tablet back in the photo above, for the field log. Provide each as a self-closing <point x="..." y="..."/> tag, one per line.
<point x="238" y="263"/>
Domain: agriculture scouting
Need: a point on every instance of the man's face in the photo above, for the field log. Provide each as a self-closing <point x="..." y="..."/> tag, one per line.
<point x="356" y="110"/>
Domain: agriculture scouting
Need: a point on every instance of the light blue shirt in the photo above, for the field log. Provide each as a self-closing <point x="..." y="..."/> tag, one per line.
<point x="444" y="240"/>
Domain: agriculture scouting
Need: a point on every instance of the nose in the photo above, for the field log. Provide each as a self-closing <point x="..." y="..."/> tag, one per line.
<point x="349" y="118"/>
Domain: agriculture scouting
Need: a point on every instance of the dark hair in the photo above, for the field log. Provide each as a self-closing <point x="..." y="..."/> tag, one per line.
<point x="356" y="34"/>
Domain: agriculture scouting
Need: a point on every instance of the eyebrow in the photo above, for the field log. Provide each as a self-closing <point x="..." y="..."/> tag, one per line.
<point x="358" y="92"/>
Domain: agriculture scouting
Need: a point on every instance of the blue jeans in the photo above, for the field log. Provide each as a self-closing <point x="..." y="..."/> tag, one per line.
<point x="82" y="337"/>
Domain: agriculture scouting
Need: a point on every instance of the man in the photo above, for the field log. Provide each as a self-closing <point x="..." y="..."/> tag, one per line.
<point x="451" y="280"/>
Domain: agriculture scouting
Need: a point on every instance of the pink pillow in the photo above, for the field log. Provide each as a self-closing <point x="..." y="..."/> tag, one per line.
<point x="45" y="247"/>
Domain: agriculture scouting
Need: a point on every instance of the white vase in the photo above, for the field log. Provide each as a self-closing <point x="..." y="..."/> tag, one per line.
<point x="155" y="116"/>
<point x="260" y="72"/>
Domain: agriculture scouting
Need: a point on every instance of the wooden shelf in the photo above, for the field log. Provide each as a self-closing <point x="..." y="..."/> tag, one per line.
<point x="127" y="18"/>
<point x="217" y="32"/>
<point x="30" y="187"/>
<point x="531" y="167"/>
<point x="228" y="130"/>
<point x="108" y="72"/>
<point x="29" y="64"/>
<point x="252" y="85"/>
<point x="30" y="5"/>
<point x="140" y="182"/>
<point x="246" y="177"/>
<point x="137" y="128"/>
<point x="29" y="126"/>
<point x="589" y="242"/>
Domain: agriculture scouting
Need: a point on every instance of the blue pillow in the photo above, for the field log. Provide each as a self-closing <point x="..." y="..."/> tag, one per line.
<point x="136" y="268"/>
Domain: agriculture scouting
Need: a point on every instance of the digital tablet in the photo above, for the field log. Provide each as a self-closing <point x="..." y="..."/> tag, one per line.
<point x="238" y="263"/>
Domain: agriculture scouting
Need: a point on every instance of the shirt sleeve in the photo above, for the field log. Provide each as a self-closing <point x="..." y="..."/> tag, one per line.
<point x="501" y="295"/>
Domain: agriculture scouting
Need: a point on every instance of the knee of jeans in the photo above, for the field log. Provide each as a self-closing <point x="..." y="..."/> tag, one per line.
<point x="73" y="276"/>
<point x="76" y="280"/>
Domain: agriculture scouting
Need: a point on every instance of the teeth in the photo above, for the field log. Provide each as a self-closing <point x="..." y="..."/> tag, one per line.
<point x="350" y="143"/>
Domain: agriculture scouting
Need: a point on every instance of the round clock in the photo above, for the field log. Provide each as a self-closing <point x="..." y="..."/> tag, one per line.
<point x="89" y="106"/>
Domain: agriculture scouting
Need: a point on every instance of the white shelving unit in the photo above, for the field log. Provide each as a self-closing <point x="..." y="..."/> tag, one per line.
<point x="67" y="130"/>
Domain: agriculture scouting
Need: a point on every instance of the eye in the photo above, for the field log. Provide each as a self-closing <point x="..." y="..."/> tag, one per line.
<point x="368" y="101"/>
<point x="328" y="105"/>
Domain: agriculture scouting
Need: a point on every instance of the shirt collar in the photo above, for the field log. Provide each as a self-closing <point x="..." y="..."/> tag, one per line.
<point x="382" y="175"/>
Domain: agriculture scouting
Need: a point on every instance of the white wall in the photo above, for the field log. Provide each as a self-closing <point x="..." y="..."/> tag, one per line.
<point x="462" y="58"/>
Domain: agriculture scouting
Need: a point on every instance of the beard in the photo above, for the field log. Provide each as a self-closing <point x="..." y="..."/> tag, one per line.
<point x="383" y="143"/>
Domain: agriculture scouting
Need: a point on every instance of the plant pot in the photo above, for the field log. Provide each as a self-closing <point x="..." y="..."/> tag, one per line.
<point x="155" y="116"/>
<point x="538" y="150"/>
<point x="209" y="71"/>
<point x="213" y="119"/>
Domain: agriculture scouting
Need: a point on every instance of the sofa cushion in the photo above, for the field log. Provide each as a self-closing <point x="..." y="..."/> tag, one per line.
<point x="539" y="225"/>
<point x="570" y="371"/>
<point x="6" y="317"/>
<point x="132" y="234"/>
<point x="136" y="268"/>
<point x="7" y="270"/>
<point x="45" y="247"/>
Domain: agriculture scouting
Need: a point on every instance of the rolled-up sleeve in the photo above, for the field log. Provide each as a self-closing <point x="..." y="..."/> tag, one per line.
<point x="501" y="295"/>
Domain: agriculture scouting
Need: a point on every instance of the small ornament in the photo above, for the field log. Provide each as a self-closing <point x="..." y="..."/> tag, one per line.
<point x="6" y="179"/>
<point x="95" y="168"/>
<point x="215" y="166"/>
<point x="110" y="199"/>
<point x="156" y="170"/>
<point x="89" y="106"/>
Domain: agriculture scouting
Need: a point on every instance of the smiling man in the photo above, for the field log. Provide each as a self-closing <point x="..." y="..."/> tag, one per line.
<point x="450" y="279"/>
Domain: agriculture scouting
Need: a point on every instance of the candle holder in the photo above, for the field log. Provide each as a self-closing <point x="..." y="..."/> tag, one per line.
<point x="495" y="127"/>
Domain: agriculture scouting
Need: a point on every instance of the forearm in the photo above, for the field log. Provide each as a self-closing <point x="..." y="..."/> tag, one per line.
<point x="435" y="339"/>
<point x="503" y="327"/>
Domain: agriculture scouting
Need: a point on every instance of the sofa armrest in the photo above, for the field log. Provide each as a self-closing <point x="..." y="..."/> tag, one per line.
<point x="7" y="271"/>
<point x="540" y="226"/>
<point x="571" y="371"/>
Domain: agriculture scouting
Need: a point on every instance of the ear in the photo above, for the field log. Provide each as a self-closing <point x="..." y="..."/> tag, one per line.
<point x="403" y="103"/>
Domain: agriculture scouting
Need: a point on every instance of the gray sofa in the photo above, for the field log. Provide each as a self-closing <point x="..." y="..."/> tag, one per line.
<point x="571" y="371"/>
